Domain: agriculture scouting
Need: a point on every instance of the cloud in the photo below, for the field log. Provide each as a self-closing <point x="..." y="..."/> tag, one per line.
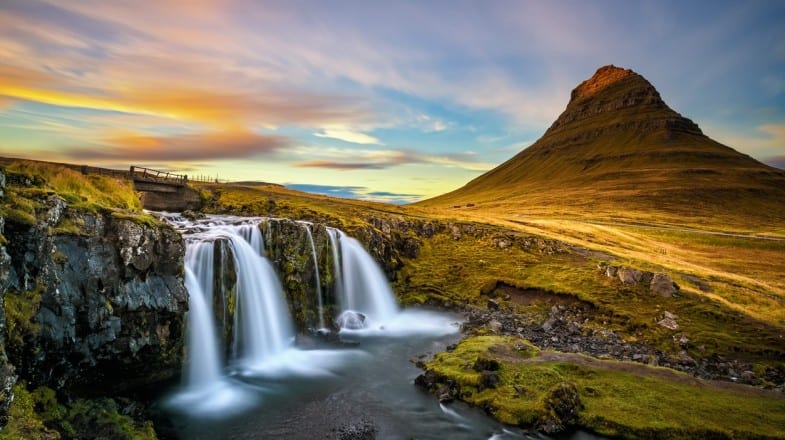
<point x="431" y="124"/>
<point x="348" y="136"/>
<point x="343" y="166"/>
<point x="212" y="146"/>
<point x="777" y="162"/>
<point x="383" y="159"/>
<point x="766" y="140"/>
<point x="356" y="192"/>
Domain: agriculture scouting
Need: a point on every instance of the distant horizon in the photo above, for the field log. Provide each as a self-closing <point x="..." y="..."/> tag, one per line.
<point x="396" y="102"/>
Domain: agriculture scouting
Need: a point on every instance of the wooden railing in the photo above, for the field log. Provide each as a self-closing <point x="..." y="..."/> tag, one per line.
<point x="150" y="175"/>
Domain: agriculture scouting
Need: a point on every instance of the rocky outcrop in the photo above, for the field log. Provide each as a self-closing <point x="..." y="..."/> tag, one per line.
<point x="7" y="376"/>
<point x="658" y="283"/>
<point x="105" y="299"/>
<point x="288" y="247"/>
<point x="393" y="239"/>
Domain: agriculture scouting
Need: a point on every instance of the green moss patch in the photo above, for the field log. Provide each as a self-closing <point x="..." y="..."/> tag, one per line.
<point x="617" y="399"/>
<point x="39" y="415"/>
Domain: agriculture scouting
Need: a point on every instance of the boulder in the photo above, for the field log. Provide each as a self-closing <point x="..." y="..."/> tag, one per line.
<point x="486" y="364"/>
<point x="669" y="321"/>
<point x="489" y="379"/>
<point x="630" y="276"/>
<point x="663" y="285"/>
<point x="351" y="320"/>
<point x="562" y="404"/>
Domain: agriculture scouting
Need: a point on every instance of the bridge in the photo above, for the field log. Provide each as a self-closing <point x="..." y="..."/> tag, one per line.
<point x="164" y="191"/>
<point x="146" y="179"/>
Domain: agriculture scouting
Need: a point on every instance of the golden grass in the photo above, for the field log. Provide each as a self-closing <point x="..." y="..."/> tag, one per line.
<point x="88" y="193"/>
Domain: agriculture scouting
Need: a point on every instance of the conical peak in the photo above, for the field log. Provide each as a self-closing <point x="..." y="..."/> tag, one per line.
<point x="602" y="78"/>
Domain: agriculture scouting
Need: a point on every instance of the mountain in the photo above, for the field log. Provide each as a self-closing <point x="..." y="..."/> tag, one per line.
<point x="619" y="151"/>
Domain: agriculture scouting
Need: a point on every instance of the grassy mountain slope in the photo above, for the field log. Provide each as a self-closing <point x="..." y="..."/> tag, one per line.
<point x="619" y="152"/>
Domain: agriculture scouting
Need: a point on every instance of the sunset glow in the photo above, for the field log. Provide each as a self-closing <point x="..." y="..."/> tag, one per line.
<point x="396" y="102"/>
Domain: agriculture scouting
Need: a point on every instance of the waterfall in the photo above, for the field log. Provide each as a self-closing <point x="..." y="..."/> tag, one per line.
<point x="231" y="283"/>
<point x="262" y="324"/>
<point x="365" y="288"/>
<point x="337" y="276"/>
<point x="203" y="367"/>
<point x="316" y="274"/>
<point x="253" y="235"/>
<point x="265" y="326"/>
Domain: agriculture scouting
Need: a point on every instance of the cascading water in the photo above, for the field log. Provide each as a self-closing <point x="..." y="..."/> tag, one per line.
<point x="316" y="274"/>
<point x="225" y="266"/>
<point x="204" y="365"/>
<point x="263" y="317"/>
<point x="262" y="325"/>
<point x="365" y="288"/>
<point x="337" y="276"/>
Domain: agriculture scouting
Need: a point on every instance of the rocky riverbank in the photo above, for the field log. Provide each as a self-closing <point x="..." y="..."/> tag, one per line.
<point x="572" y="328"/>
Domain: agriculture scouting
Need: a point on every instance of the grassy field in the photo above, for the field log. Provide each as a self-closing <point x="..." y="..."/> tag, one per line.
<point x="617" y="399"/>
<point x="739" y="312"/>
<point x="731" y="302"/>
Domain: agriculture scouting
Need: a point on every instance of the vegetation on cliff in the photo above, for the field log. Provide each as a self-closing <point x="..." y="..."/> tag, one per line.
<point x="33" y="182"/>
<point x="37" y="415"/>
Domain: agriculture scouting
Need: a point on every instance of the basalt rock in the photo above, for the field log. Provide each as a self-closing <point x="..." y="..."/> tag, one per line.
<point x="563" y="404"/>
<point x="288" y="248"/>
<point x="7" y="376"/>
<point x="108" y="302"/>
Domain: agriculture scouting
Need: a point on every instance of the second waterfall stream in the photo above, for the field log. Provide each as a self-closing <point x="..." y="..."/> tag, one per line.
<point x="241" y="327"/>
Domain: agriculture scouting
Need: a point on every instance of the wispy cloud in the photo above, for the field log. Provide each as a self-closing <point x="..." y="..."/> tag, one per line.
<point x="356" y="192"/>
<point x="383" y="159"/>
<point x="212" y="146"/>
<point x="342" y="166"/>
<point x="346" y="135"/>
<point x="766" y="140"/>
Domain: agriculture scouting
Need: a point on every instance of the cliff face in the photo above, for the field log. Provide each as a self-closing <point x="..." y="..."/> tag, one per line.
<point x="95" y="303"/>
<point x="7" y="376"/>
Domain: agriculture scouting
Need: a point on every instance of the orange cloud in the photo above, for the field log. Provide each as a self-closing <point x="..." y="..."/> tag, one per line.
<point x="222" y="145"/>
<point x="343" y="166"/>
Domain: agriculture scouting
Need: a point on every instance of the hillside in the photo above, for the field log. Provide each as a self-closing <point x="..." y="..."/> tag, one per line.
<point x="619" y="152"/>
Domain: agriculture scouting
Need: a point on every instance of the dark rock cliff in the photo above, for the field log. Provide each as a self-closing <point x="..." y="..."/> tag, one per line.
<point x="7" y="376"/>
<point x="98" y="302"/>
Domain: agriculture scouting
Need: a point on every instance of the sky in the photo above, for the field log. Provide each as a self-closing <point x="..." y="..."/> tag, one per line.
<point x="389" y="101"/>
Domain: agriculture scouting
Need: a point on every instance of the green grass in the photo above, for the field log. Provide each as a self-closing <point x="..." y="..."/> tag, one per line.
<point x="458" y="271"/>
<point x="88" y="192"/>
<point x="37" y="415"/>
<point x="85" y="193"/>
<point x="20" y="310"/>
<point x="620" y="399"/>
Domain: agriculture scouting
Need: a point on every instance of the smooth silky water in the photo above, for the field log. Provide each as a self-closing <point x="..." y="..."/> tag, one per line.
<point x="276" y="385"/>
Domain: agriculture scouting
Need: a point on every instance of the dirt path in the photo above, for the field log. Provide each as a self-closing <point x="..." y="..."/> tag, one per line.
<point x="643" y="370"/>
<point x="675" y="229"/>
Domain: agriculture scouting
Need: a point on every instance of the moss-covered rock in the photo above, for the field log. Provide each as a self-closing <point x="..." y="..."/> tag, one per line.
<point x="108" y="304"/>
<point x="288" y="246"/>
<point x="7" y="376"/>
<point x="38" y="414"/>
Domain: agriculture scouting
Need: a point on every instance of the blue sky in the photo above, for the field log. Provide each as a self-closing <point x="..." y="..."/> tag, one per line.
<point x="391" y="101"/>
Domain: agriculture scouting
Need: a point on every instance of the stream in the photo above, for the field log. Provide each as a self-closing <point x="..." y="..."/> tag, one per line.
<point x="267" y="382"/>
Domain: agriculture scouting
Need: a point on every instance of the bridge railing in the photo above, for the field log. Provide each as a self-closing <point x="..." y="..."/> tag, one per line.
<point x="151" y="175"/>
